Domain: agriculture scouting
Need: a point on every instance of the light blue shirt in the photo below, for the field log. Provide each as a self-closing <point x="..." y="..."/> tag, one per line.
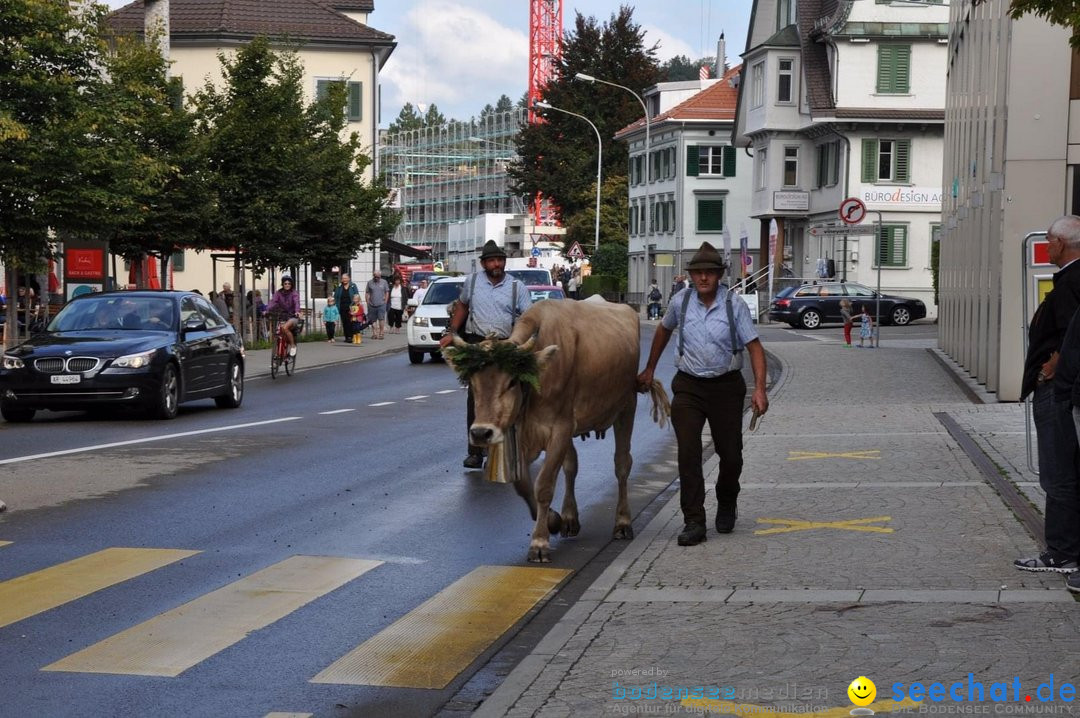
<point x="707" y="349"/>
<point x="491" y="309"/>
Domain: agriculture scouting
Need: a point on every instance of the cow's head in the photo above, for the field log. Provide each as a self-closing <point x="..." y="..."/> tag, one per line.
<point x="502" y="375"/>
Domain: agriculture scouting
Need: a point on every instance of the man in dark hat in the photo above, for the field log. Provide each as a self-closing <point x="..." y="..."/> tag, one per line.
<point x="709" y="386"/>
<point x="490" y="303"/>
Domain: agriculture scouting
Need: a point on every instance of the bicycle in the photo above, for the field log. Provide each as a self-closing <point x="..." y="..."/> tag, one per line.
<point x="280" y="357"/>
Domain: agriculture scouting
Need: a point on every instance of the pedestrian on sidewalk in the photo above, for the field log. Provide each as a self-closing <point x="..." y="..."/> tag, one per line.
<point x="1059" y="450"/>
<point x="344" y="295"/>
<point x="376" y="295"/>
<point x="490" y="303"/>
<point x="399" y="302"/>
<point x="845" y="313"/>
<point x="866" y="327"/>
<point x="715" y="327"/>
<point x="330" y="315"/>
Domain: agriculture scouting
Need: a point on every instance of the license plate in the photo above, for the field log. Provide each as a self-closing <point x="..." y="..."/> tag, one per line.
<point x="65" y="378"/>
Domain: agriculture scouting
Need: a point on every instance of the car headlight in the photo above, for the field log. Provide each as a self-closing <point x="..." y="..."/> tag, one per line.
<point x="421" y="322"/>
<point x="11" y="362"/>
<point x="135" y="361"/>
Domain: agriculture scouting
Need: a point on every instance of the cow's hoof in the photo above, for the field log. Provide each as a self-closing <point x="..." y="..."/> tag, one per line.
<point x="624" y="532"/>
<point x="554" y="522"/>
<point x="540" y="554"/>
<point x="571" y="526"/>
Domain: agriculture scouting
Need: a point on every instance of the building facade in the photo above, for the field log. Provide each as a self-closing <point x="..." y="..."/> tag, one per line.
<point x="840" y="99"/>
<point x="697" y="184"/>
<point x="1012" y="165"/>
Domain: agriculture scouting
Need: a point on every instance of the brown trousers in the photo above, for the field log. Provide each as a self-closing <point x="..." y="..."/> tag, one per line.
<point x="720" y="402"/>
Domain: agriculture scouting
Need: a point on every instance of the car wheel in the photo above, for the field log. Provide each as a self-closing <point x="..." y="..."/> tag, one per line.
<point x="415" y="356"/>
<point x="901" y="316"/>
<point x="235" y="379"/>
<point x="811" y="319"/>
<point x="167" y="401"/>
<point x="16" y="414"/>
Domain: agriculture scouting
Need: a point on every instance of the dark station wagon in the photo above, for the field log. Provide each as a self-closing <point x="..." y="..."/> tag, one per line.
<point x="812" y="305"/>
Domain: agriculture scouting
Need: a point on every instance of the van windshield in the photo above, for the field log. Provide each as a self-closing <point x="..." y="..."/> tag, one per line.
<point x="442" y="292"/>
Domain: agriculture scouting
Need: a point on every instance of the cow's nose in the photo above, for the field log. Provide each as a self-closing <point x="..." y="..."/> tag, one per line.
<point x="481" y="435"/>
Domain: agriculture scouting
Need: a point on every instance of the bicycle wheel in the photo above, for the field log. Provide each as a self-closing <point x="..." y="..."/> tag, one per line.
<point x="275" y="360"/>
<point x="290" y="364"/>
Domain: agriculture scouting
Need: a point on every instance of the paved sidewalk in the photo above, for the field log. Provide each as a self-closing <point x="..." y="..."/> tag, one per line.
<point x="311" y="354"/>
<point x="868" y="543"/>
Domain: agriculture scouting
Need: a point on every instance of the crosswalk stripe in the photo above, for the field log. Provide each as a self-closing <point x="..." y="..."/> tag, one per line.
<point x="30" y="594"/>
<point x="336" y="411"/>
<point x="171" y="643"/>
<point x="430" y="645"/>
<point x="382" y="403"/>
<point x="418" y="397"/>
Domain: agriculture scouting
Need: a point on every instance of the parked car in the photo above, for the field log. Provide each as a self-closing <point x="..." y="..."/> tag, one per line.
<point x="541" y="291"/>
<point x="150" y="349"/>
<point x="426" y="325"/>
<point x="812" y="305"/>
<point x="535" y="277"/>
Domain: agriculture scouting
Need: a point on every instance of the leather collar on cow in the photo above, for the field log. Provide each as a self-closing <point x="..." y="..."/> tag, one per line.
<point x="519" y="362"/>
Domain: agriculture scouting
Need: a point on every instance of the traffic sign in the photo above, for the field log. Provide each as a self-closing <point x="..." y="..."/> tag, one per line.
<point x="536" y="251"/>
<point x="852" y="210"/>
<point x="575" y="251"/>
<point x="839" y="229"/>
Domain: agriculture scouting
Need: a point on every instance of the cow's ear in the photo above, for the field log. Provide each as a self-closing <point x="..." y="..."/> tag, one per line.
<point x="544" y="355"/>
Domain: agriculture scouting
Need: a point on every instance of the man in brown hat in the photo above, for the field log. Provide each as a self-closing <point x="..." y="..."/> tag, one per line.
<point x="490" y="303"/>
<point x="715" y="327"/>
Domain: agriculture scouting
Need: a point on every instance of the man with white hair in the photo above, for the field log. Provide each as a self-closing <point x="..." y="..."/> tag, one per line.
<point x="377" y="293"/>
<point x="1059" y="450"/>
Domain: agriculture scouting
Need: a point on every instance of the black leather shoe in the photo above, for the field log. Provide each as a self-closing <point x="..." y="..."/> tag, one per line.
<point x="473" y="461"/>
<point x="692" y="535"/>
<point x="725" y="518"/>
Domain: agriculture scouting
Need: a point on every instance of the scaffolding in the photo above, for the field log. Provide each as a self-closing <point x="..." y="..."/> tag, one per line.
<point x="450" y="173"/>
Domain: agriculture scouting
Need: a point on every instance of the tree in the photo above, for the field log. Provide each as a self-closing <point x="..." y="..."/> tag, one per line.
<point x="682" y="67"/>
<point x="503" y="104"/>
<point x="612" y="260"/>
<point x="407" y="119"/>
<point x="433" y="117"/>
<point x="1065" y="13"/>
<point x="614" y="210"/>
<point x="559" y="155"/>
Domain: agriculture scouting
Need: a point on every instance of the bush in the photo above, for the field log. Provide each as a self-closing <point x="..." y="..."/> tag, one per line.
<point x="603" y="284"/>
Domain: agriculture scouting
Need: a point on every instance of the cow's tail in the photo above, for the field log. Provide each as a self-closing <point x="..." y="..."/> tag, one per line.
<point x="661" y="405"/>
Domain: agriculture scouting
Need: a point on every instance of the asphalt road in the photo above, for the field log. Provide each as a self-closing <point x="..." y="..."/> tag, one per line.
<point x="283" y="476"/>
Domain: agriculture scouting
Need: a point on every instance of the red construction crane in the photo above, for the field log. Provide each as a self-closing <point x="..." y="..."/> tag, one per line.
<point x="545" y="47"/>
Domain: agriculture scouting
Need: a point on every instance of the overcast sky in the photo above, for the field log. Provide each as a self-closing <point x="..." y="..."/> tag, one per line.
<point x="463" y="54"/>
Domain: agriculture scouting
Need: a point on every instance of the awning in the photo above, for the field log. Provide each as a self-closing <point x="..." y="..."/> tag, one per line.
<point x="404" y="250"/>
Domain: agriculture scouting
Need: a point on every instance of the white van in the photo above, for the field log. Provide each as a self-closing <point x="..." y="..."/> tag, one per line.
<point x="426" y="325"/>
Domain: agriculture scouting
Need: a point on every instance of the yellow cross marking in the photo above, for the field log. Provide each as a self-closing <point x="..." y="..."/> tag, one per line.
<point x="731" y="708"/>
<point x="789" y="525"/>
<point x="871" y="454"/>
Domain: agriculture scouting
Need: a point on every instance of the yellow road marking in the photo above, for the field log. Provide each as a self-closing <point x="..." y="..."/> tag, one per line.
<point x="431" y="644"/>
<point x="870" y="454"/>
<point x="789" y="525"/>
<point x="39" y="591"/>
<point x="169" y="644"/>
<point x="748" y="709"/>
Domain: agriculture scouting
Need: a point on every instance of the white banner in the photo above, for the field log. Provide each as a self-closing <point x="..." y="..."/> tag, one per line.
<point x="900" y="198"/>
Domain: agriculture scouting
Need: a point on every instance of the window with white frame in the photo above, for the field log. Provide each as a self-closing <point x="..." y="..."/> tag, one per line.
<point x="762" y="169"/>
<point x="886" y="160"/>
<point x="757" y="84"/>
<point x="785" y="80"/>
<point x="791" y="166"/>
<point x="710" y="160"/>
<point x="785" y="13"/>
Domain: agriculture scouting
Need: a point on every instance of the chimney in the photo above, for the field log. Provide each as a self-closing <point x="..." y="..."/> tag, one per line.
<point x="721" y="57"/>
<point x="156" y="20"/>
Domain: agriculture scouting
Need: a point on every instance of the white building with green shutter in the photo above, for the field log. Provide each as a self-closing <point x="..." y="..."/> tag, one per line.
<point x="845" y="98"/>
<point x="698" y="182"/>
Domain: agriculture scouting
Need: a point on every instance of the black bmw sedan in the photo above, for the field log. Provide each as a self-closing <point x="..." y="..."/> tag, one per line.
<point x="150" y="349"/>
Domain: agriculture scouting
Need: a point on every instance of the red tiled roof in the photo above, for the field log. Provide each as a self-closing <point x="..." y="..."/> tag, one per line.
<point x="297" y="19"/>
<point x="713" y="103"/>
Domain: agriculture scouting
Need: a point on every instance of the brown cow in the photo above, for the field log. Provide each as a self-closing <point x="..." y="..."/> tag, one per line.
<point x="587" y="363"/>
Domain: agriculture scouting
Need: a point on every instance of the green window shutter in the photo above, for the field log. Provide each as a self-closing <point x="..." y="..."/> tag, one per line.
<point x="177" y="261"/>
<point x="321" y="87"/>
<point x="691" y="161"/>
<point x="729" y="161"/>
<point x="356" y="101"/>
<point x="901" y="68"/>
<point x="710" y="215"/>
<point x="869" y="160"/>
<point x="903" y="160"/>
<point x="884" y="68"/>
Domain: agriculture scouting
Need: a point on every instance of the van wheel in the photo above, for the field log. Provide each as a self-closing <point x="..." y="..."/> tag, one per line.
<point x="415" y="356"/>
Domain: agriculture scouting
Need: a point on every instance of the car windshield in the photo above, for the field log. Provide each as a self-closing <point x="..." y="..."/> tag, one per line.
<point x="538" y="294"/>
<point x="114" y="311"/>
<point x="442" y="292"/>
<point x="531" y="277"/>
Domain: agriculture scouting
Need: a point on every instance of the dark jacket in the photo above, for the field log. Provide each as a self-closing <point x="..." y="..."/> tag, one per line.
<point x="353" y="292"/>
<point x="1047" y="331"/>
<point x="1066" y="388"/>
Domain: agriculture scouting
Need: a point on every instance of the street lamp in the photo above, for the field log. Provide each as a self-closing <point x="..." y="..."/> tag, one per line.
<point x="599" y="160"/>
<point x="648" y="147"/>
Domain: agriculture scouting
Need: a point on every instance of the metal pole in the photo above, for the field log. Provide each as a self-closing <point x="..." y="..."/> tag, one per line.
<point x="599" y="162"/>
<point x="1025" y="248"/>
<point x="877" y="299"/>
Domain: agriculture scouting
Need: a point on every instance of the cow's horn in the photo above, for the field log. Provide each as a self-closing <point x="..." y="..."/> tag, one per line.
<point x="528" y="345"/>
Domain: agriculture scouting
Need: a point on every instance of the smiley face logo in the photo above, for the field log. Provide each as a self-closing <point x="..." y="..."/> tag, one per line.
<point x="862" y="691"/>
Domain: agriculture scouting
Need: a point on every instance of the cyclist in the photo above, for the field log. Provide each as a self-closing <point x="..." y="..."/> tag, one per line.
<point x="286" y="303"/>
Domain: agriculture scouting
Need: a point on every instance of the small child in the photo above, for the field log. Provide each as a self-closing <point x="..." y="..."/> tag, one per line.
<point x="331" y="316"/>
<point x="865" y="328"/>
<point x="357" y="313"/>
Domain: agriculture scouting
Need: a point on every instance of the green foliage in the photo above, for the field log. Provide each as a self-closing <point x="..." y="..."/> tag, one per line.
<point x="559" y="155"/>
<point x="1065" y="13"/>
<point x="614" y="209"/>
<point x="682" y="67"/>
<point x="433" y="117"/>
<point x="407" y="119"/>
<point x="509" y="358"/>
<point x="599" y="284"/>
<point x="611" y="260"/>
